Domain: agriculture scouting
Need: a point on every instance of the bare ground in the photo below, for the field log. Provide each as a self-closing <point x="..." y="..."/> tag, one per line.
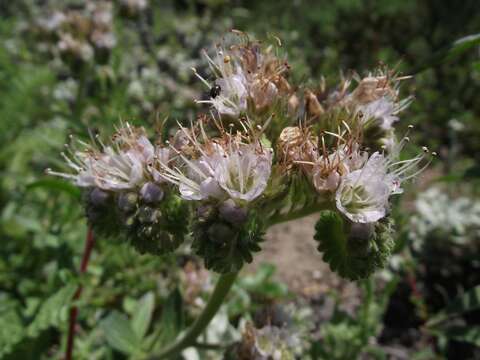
<point x="292" y="249"/>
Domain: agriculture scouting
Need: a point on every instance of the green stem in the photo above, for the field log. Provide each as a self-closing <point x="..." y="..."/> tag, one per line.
<point x="207" y="346"/>
<point x="222" y="288"/>
<point x="189" y="338"/>
<point x="308" y="210"/>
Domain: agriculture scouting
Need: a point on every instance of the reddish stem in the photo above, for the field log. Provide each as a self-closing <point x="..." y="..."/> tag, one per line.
<point x="89" y="242"/>
<point x="412" y="281"/>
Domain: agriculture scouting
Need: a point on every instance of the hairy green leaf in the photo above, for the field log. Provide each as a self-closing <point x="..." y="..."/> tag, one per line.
<point x="142" y="314"/>
<point x="354" y="251"/>
<point x="119" y="333"/>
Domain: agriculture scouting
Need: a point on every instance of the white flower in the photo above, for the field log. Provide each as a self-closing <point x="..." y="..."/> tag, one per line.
<point x="363" y="194"/>
<point x="244" y="172"/>
<point x="328" y="169"/>
<point x="123" y="165"/>
<point x="231" y="99"/>
<point x="235" y="170"/>
<point x="382" y="110"/>
<point x="200" y="183"/>
<point x="325" y="182"/>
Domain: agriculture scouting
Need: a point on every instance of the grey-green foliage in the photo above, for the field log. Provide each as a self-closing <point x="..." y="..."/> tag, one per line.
<point x="347" y="336"/>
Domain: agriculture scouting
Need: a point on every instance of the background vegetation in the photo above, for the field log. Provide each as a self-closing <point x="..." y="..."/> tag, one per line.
<point x="424" y="306"/>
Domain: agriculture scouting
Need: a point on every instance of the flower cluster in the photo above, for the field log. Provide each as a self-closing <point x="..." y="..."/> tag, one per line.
<point x="80" y="34"/>
<point x="249" y="78"/>
<point x="125" y="193"/>
<point x="266" y="152"/>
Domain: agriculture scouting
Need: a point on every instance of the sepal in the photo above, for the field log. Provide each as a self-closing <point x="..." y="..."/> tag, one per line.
<point x="353" y="250"/>
<point x="225" y="246"/>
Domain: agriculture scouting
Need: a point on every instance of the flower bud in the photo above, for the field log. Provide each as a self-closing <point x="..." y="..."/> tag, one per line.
<point x="151" y="193"/>
<point x="147" y="214"/>
<point x="220" y="233"/>
<point x="127" y="202"/>
<point x="223" y="246"/>
<point x="98" y="197"/>
<point x="101" y="214"/>
<point x="233" y="213"/>
<point x="158" y="230"/>
<point x="204" y="212"/>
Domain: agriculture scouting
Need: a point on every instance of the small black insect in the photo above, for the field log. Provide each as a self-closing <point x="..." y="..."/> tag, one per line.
<point x="215" y="91"/>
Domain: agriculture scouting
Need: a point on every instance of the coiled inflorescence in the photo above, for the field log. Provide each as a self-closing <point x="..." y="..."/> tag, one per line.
<point x="268" y="151"/>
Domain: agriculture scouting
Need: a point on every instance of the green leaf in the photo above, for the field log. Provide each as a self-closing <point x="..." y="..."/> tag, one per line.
<point x="470" y="334"/>
<point x="142" y="314"/>
<point x="11" y="331"/>
<point x="57" y="185"/>
<point x="467" y="302"/>
<point x="50" y="312"/>
<point x="119" y="333"/>
<point x="172" y="319"/>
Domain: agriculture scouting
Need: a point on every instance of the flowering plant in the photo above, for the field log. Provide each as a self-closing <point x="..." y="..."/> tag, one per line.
<point x="268" y="151"/>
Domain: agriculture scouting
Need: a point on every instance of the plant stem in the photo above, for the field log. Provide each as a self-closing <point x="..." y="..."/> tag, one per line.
<point x="89" y="242"/>
<point x="189" y="338"/>
<point x="308" y="210"/>
<point x="207" y="346"/>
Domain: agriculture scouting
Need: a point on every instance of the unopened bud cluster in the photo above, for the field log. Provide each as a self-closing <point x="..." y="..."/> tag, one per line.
<point x="268" y="149"/>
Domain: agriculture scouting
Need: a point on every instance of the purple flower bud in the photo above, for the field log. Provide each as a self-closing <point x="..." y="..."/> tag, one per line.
<point x="98" y="197"/>
<point x="127" y="202"/>
<point x="151" y="193"/>
<point x="233" y="213"/>
<point x="204" y="212"/>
